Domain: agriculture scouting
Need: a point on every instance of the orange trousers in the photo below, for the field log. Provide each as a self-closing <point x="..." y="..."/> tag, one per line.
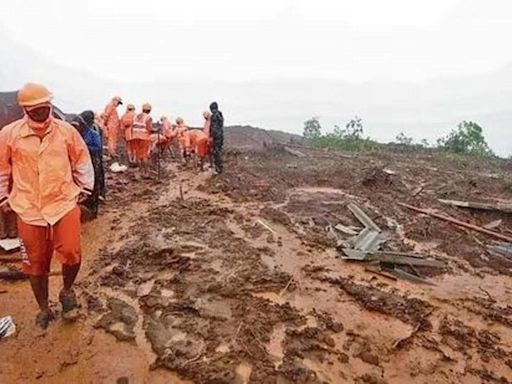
<point x="141" y="148"/>
<point x="202" y="148"/>
<point x="38" y="244"/>
<point x="112" y="141"/>
<point x="129" y="147"/>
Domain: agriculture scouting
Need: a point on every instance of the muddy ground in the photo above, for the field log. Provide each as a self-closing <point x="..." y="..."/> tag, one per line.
<point x="239" y="281"/>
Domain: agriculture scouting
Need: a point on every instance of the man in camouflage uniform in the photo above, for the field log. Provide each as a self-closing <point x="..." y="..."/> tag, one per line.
<point x="217" y="136"/>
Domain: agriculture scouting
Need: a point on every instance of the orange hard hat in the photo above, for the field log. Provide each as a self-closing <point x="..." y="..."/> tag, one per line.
<point x="33" y="94"/>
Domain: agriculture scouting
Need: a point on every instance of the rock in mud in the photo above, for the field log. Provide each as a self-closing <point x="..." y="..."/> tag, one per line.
<point x="120" y="320"/>
<point x="368" y="378"/>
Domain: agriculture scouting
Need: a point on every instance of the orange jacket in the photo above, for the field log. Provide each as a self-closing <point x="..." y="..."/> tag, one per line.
<point x="42" y="178"/>
<point x="206" y="127"/>
<point x="182" y="135"/>
<point x="127" y="125"/>
<point x="167" y="129"/>
<point x="195" y="136"/>
<point x="111" y="118"/>
<point x="142" y="126"/>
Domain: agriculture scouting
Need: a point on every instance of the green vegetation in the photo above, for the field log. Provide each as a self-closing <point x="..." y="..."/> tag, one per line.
<point x="350" y="138"/>
<point x="466" y="140"/>
<point x="312" y="129"/>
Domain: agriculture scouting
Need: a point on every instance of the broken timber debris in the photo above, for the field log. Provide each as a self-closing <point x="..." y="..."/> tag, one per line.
<point x="458" y="223"/>
<point x="392" y="258"/>
<point x="504" y="249"/>
<point x="346" y="230"/>
<point x="294" y="152"/>
<point x="265" y="225"/>
<point x="366" y="249"/>
<point x="502" y="207"/>
<point x="493" y="224"/>
<point x="363" y="218"/>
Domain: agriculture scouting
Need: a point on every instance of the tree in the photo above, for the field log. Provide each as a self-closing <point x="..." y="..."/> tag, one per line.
<point x="424" y="143"/>
<point x="312" y="128"/>
<point x="402" y="139"/>
<point x="354" y="128"/>
<point x="468" y="138"/>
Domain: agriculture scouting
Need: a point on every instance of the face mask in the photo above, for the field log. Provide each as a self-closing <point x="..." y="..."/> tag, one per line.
<point x="40" y="117"/>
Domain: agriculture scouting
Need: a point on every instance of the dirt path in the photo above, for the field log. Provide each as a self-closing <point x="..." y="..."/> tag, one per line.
<point x="211" y="289"/>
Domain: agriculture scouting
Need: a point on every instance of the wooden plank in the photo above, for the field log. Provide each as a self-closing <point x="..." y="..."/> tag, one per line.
<point x="502" y="207"/>
<point x="458" y="223"/>
<point x="363" y="217"/>
<point x="404" y="260"/>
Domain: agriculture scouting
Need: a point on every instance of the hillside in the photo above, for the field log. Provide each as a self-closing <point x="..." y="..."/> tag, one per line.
<point x="247" y="137"/>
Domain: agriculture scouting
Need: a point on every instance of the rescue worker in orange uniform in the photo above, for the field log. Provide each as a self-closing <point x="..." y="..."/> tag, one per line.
<point x="198" y="142"/>
<point x="183" y="138"/>
<point x="167" y="136"/>
<point x="127" y="128"/>
<point x="206" y="129"/>
<point x="112" y="124"/>
<point x="45" y="169"/>
<point x="141" y="137"/>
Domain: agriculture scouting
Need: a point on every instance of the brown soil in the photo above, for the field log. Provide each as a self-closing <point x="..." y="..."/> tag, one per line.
<point x="239" y="282"/>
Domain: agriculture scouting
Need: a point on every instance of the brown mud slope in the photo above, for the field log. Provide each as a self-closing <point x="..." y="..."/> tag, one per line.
<point x="239" y="281"/>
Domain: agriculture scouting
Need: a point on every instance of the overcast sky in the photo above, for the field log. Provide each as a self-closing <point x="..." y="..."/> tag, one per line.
<point x="355" y="40"/>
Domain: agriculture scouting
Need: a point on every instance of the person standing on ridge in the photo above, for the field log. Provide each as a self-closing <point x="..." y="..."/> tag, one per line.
<point x="45" y="169"/>
<point x="217" y="135"/>
<point x="127" y="128"/>
<point x="111" y="123"/>
<point x="206" y="129"/>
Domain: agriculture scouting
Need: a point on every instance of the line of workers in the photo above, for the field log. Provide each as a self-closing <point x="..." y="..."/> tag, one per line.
<point x="142" y="137"/>
<point x="48" y="168"/>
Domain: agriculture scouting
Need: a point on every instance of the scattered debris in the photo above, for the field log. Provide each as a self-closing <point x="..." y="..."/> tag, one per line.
<point x="352" y="231"/>
<point x="493" y="224"/>
<point x="118" y="168"/>
<point x="10" y="244"/>
<point x="265" y="225"/>
<point x="498" y="206"/>
<point x="368" y="240"/>
<point x="7" y="327"/>
<point x="392" y="258"/>
<point x="504" y="249"/>
<point x="457" y="223"/>
<point x="363" y="217"/>
<point x="418" y="190"/>
<point x="294" y="152"/>
<point x="366" y="249"/>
